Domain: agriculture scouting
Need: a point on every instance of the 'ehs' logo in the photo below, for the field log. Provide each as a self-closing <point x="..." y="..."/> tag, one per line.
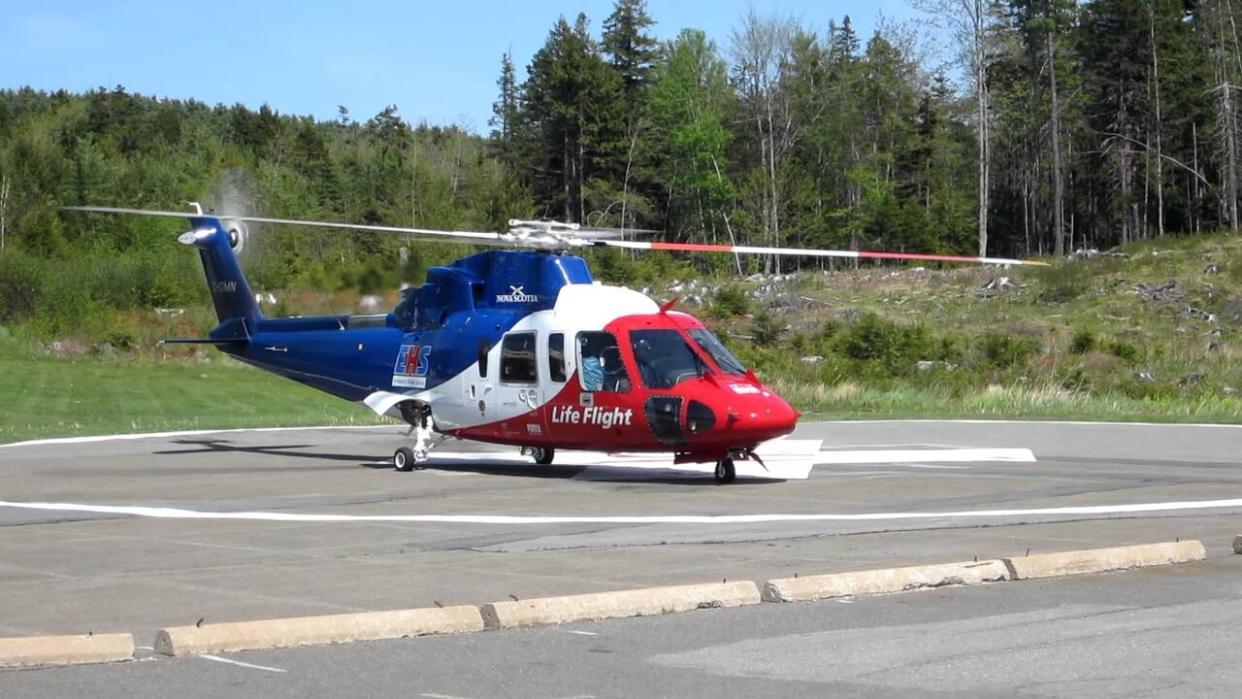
<point x="517" y="295"/>
<point x="410" y="371"/>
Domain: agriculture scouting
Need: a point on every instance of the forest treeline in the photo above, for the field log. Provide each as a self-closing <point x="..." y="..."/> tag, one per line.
<point x="1022" y="127"/>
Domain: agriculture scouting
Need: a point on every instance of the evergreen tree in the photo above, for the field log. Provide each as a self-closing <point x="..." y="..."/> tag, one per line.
<point x="504" y="121"/>
<point x="631" y="50"/>
<point x="571" y="101"/>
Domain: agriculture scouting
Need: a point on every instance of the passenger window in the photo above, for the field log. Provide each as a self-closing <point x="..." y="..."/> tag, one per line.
<point x="556" y="357"/>
<point x="599" y="363"/>
<point x="518" y="363"/>
<point x="484" y="348"/>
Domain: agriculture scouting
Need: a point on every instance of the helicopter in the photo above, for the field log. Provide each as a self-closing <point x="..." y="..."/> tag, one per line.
<point x="517" y="345"/>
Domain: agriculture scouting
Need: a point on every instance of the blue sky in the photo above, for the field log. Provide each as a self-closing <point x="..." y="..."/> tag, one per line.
<point x="436" y="61"/>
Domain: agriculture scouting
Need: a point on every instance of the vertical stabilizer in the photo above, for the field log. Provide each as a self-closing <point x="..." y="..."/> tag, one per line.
<point x="230" y="292"/>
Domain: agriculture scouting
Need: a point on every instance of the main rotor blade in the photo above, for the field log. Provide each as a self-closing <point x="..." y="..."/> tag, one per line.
<point x="472" y="236"/>
<point x="848" y="254"/>
<point x="606" y="233"/>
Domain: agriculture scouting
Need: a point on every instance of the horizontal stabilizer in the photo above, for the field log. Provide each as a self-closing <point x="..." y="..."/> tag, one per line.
<point x="200" y="341"/>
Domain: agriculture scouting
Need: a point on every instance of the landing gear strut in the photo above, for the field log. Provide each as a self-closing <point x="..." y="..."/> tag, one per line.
<point x="725" y="472"/>
<point x="425" y="437"/>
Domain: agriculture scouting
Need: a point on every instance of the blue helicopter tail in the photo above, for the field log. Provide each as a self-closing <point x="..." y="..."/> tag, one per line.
<point x="230" y="293"/>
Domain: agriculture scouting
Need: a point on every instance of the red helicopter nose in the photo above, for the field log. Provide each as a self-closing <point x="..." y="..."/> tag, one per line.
<point x="761" y="416"/>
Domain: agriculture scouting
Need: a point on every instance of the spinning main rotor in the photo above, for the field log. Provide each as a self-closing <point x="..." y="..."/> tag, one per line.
<point x="557" y="236"/>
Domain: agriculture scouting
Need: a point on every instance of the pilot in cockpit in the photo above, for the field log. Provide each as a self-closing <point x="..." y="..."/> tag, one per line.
<point x="615" y="377"/>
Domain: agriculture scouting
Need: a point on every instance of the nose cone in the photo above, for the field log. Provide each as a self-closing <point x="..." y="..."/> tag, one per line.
<point x="762" y="416"/>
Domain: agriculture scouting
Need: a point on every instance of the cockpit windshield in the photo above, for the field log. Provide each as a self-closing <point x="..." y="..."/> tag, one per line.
<point x="664" y="359"/>
<point x="719" y="353"/>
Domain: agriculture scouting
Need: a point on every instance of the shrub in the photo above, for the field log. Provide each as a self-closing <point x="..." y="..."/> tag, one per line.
<point x="730" y="300"/>
<point x="1124" y="350"/>
<point x="21" y="284"/>
<point x="1064" y="281"/>
<point x="871" y="337"/>
<point x="1082" y="342"/>
<point x="883" y="345"/>
<point x="767" y="329"/>
<point x="1002" y="351"/>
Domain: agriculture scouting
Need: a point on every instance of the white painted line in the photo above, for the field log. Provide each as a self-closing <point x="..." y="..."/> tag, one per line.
<point x="182" y="433"/>
<point x="239" y="663"/>
<point x="783" y="459"/>
<point x="934" y="467"/>
<point x="581" y="633"/>
<point x="907" y="456"/>
<point x="191" y="433"/>
<point x="967" y="421"/>
<point x="176" y="513"/>
<point x="863" y="474"/>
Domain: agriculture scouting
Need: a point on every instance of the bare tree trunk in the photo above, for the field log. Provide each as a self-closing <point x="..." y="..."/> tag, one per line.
<point x="1229" y="131"/>
<point x="1026" y="216"/>
<point x="761" y="47"/>
<point x="581" y="168"/>
<point x="775" y="196"/>
<point x="1126" y="176"/>
<point x="737" y="259"/>
<point x="1196" y="211"/>
<point x="1069" y="151"/>
<point x="1228" y="124"/>
<point x="968" y="22"/>
<point x="414" y="185"/>
<point x="456" y="164"/>
<point x="566" y="164"/>
<point x="767" y="195"/>
<point x="625" y="183"/>
<point x="1155" y="79"/>
<point x="1058" y="187"/>
<point x="985" y="148"/>
<point x="4" y="209"/>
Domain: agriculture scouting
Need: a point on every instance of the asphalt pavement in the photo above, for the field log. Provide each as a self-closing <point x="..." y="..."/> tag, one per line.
<point x="1168" y="631"/>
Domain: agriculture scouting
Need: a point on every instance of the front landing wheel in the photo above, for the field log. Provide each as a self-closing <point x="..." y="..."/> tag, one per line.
<point x="403" y="459"/>
<point x="725" y="473"/>
<point x="543" y="455"/>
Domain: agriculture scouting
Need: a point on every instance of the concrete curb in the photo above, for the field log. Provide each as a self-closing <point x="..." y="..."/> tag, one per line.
<point x="369" y="626"/>
<point x="874" y="582"/>
<point x="65" y="650"/>
<point x="1100" y="560"/>
<point x="316" y="630"/>
<point x="622" y="603"/>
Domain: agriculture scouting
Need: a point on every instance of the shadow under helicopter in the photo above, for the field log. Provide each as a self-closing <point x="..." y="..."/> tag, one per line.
<point x="484" y="464"/>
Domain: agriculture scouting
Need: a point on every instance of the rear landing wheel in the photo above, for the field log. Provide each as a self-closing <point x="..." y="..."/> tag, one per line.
<point x="543" y="455"/>
<point x="403" y="459"/>
<point x="725" y="473"/>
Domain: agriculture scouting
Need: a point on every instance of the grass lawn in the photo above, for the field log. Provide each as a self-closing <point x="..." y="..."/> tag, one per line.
<point x="851" y="402"/>
<point x="43" y="397"/>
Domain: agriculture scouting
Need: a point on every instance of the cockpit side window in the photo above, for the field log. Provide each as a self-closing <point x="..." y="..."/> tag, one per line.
<point x="718" y="352"/>
<point x="664" y="359"/>
<point x="599" y="363"/>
